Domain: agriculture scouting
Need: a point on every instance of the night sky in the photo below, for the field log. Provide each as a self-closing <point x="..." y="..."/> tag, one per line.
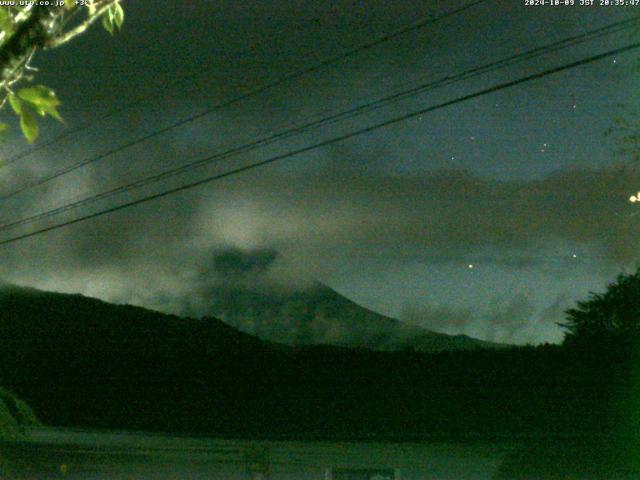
<point x="488" y="217"/>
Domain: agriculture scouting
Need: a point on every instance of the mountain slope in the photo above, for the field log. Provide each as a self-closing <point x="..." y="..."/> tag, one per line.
<point x="263" y="293"/>
<point x="81" y="362"/>
<point x="318" y="315"/>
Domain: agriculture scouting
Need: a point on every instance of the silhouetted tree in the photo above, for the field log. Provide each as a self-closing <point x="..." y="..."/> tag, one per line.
<point x="612" y="317"/>
<point x="594" y="430"/>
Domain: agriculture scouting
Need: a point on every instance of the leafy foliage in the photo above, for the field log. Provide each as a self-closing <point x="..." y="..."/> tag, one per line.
<point x="113" y="18"/>
<point x="610" y="317"/>
<point x="29" y="101"/>
<point x="23" y="31"/>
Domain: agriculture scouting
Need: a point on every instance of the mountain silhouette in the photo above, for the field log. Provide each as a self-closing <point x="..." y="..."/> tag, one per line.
<point x="247" y="294"/>
<point x="318" y="315"/>
<point x="83" y="362"/>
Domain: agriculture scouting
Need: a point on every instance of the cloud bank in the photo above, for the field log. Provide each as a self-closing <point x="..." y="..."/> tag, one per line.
<point x="159" y="255"/>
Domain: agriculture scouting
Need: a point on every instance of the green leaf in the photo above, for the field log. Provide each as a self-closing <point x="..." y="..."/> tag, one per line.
<point x="3" y="127"/>
<point x="29" y="125"/>
<point x="6" y="23"/>
<point x="107" y="22"/>
<point x="51" y="111"/>
<point x="118" y="15"/>
<point x="39" y="95"/>
<point x="15" y="103"/>
<point x="42" y="98"/>
<point x="113" y="18"/>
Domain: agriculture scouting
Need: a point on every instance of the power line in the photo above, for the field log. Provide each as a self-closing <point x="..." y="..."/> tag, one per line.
<point x="256" y="91"/>
<point x="324" y="143"/>
<point x="359" y="110"/>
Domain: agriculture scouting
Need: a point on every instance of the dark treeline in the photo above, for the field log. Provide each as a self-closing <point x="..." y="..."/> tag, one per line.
<point x="80" y="362"/>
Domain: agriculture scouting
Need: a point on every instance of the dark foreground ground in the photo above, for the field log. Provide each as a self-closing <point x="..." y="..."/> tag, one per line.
<point x="78" y="455"/>
<point x="82" y="363"/>
<point x="47" y="454"/>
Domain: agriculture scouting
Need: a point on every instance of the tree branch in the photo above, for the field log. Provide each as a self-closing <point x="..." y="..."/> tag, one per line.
<point x="32" y="34"/>
<point x="80" y="29"/>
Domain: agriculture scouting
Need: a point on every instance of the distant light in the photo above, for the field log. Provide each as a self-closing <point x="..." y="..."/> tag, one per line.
<point x="633" y="199"/>
<point x="453" y="158"/>
<point x="473" y="138"/>
<point x="471" y="265"/>
<point x="574" y="255"/>
<point x="615" y="61"/>
<point x="575" y="106"/>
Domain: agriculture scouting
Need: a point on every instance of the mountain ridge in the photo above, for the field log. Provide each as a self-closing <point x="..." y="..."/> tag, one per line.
<point x="319" y="315"/>
<point x="82" y="362"/>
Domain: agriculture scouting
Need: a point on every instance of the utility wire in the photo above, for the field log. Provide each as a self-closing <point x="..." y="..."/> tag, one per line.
<point x="340" y="138"/>
<point x="256" y="91"/>
<point x="359" y="110"/>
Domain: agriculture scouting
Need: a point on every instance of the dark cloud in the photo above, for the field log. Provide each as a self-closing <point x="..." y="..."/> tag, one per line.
<point x="234" y="263"/>
<point x="448" y="213"/>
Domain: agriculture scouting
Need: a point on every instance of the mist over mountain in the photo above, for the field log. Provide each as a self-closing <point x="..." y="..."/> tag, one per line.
<point x="258" y="293"/>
